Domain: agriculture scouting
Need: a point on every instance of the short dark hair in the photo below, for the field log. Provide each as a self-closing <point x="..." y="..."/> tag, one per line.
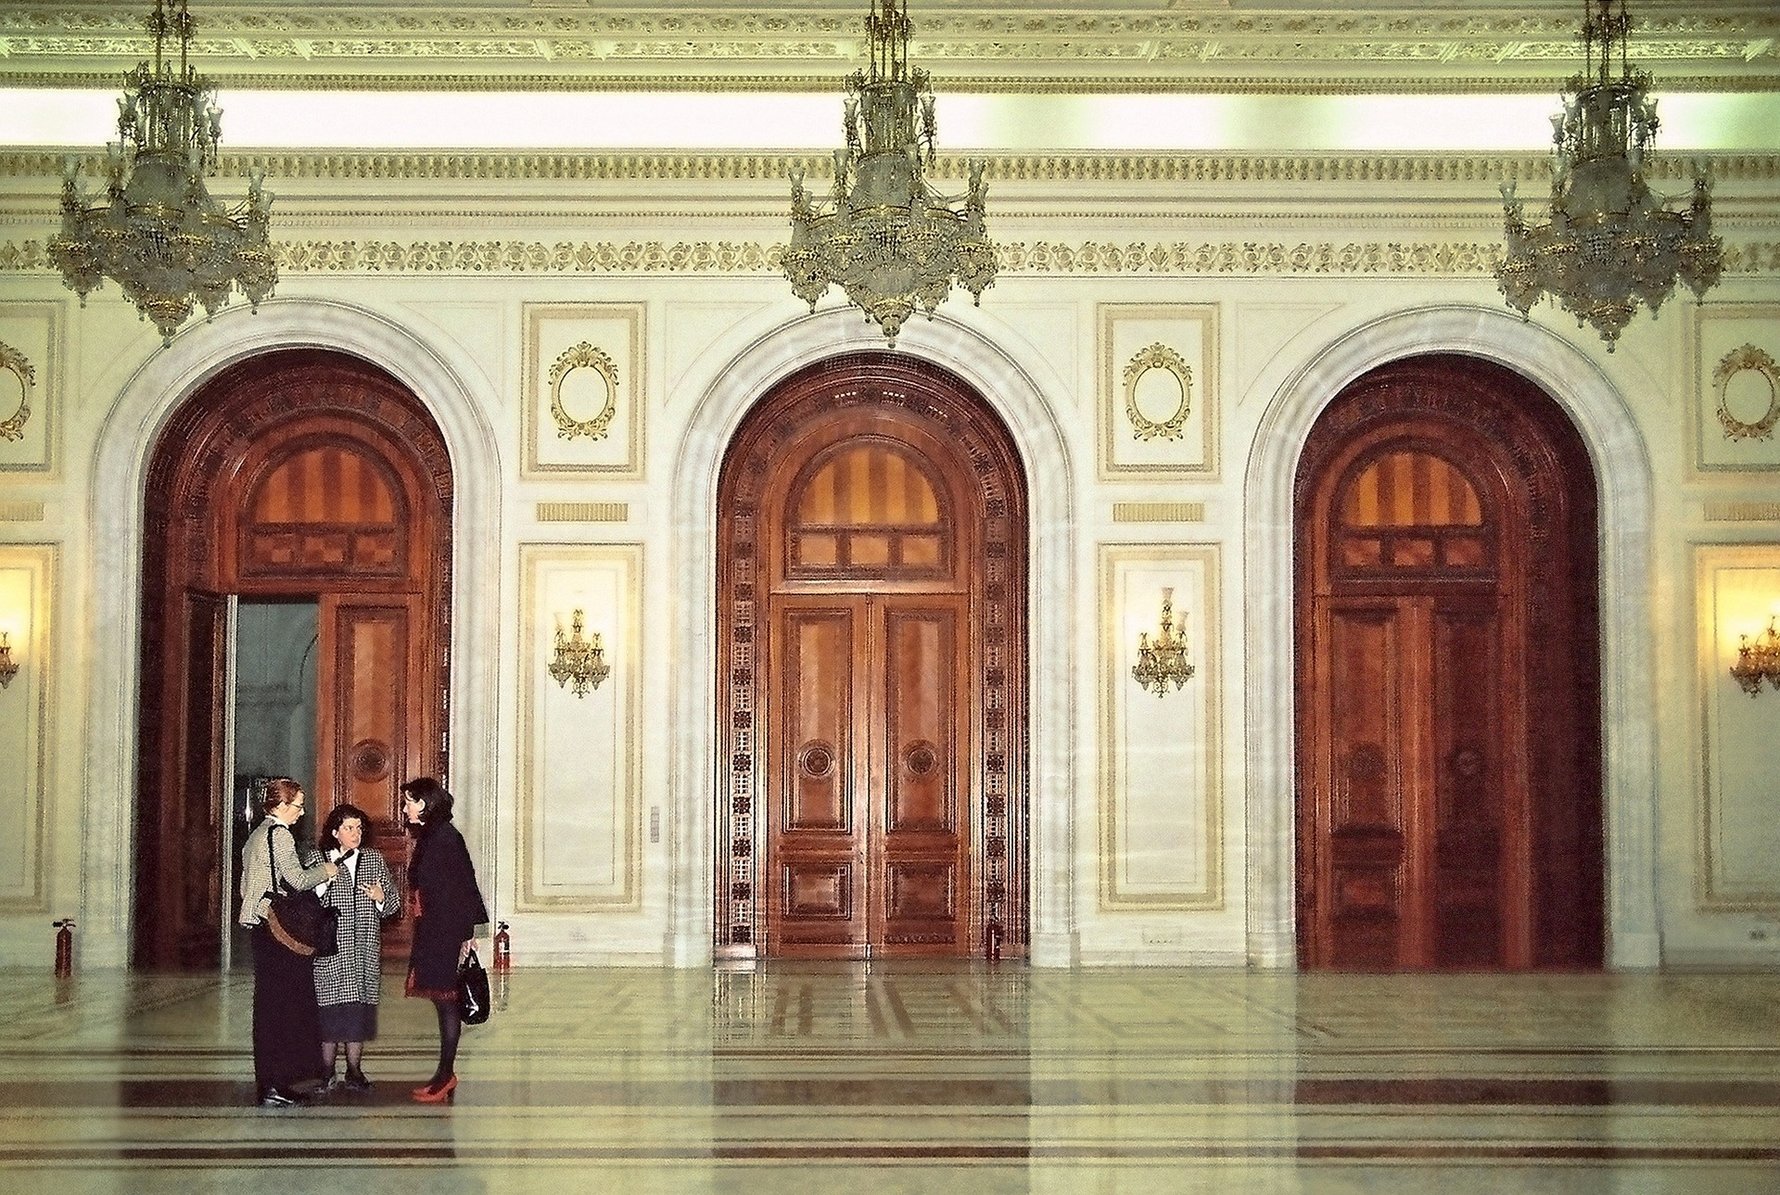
<point x="337" y="817"/>
<point x="433" y="796"/>
<point x="280" y="790"/>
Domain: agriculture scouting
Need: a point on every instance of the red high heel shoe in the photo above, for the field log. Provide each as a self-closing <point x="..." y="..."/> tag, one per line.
<point x="439" y="1093"/>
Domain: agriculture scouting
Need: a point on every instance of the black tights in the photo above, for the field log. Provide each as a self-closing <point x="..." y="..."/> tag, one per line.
<point x="451" y="1027"/>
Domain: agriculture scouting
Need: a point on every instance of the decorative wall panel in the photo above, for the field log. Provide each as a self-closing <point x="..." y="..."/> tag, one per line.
<point x="27" y="581"/>
<point x="580" y="766"/>
<point x="1161" y="794"/>
<point x="1737" y="590"/>
<point x="1158" y="391"/>
<point x="1734" y="416"/>
<point x="30" y="386"/>
<point x="583" y="403"/>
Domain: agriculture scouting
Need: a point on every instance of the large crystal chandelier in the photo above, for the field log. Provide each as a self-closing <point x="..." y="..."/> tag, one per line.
<point x="1611" y="244"/>
<point x="886" y="237"/>
<point x="157" y="231"/>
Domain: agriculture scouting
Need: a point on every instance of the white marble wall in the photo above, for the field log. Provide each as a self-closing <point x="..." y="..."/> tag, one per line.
<point x="627" y="777"/>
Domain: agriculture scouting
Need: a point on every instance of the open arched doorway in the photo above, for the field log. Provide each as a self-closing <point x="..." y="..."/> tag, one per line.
<point x="298" y="476"/>
<point x="1448" y="677"/>
<point x="872" y="688"/>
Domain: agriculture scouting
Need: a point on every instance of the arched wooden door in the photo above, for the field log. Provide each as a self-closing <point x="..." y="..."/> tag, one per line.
<point x="1449" y="770"/>
<point x="294" y="475"/>
<point x="872" y="580"/>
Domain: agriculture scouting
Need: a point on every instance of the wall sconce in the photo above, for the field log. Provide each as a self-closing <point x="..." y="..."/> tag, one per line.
<point x="1164" y="661"/>
<point x="8" y="667"/>
<point x="578" y="659"/>
<point x="1758" y="661"/>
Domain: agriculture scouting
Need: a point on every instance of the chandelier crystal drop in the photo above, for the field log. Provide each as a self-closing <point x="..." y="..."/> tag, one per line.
<point x="1611" y="244"/>
<point x="156" y="230"/>
<point x="886" y="237"/>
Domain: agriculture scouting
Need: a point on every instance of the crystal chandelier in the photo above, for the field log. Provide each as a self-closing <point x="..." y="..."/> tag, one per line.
<point x="887" y="238"/>
<point x="1611" y="244"/>
<point x="157" y="231"/>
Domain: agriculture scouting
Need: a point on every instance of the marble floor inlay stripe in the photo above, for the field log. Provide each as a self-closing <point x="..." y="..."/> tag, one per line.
<point x="925" y="1077"/>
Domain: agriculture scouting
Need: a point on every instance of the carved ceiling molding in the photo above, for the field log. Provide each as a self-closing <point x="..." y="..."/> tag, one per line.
<point x="1431" y="168"/>
<point x="1395" y="258"/>
<point x="1528" y="44"/>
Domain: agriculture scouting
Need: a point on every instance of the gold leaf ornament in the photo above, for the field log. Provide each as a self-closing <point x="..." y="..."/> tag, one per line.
<point x="1747" y="359"/>
<point x="12" y="361"/>
<point x="1158" y="356"/>
<point x="583" y="356"/>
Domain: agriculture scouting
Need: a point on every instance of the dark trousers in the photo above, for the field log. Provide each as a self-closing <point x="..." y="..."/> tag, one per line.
<point x="286" y="1027"/>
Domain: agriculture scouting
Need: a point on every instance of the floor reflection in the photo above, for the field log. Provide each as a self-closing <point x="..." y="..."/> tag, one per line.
<point x="924" y="1077"/>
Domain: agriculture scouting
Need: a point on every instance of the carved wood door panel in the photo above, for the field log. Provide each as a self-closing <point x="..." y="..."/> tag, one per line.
<point x="869" y="849"/>
<point x="367" y="734"/>
<point x="196" y="886"/>
<point x="1448" y="706"/>
<point x="1411" y="787"/>
<point x="299" y="475"/>
<point x="872" y="631"/>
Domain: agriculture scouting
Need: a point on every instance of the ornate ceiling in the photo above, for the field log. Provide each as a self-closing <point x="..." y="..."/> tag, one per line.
<point x="985" y="45"/>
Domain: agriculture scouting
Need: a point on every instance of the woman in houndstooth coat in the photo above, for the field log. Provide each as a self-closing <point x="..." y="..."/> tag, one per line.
<point x="347" y="982"/>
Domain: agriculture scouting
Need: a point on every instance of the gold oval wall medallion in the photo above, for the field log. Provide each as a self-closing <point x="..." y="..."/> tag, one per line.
<point x="583" y="356"/>
<point x="13" y="362"/>
<point x="1158" y="357"/>
<point x="1748" y="359"/>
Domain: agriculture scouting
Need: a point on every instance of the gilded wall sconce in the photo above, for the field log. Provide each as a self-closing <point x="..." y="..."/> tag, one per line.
<point x="1758" y="661"/>
<point x="1163" y="661"/>
<point x="8" y="666"/>
<point x="580" y="661"/>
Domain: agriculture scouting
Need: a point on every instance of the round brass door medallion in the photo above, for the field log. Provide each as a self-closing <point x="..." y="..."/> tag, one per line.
<point x="13" y="362"/>
<point x="1758" y="396"/>
<point x="920" y="758"/>
<point x="1175" y="386"/>
<point x="816" y="760"/>
<point x="369" y="760"/>
<point x="583" y="356"/>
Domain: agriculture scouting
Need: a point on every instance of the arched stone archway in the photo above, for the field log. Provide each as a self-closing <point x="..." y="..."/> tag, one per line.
<point x="1622" y="466"/>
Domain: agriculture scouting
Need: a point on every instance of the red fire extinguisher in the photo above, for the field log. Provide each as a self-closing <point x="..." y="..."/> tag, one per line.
<point x="64" y="948"/>
<point x="503" y="947"/>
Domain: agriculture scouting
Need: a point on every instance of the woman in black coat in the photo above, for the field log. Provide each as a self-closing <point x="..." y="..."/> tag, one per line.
<point x="448" y="908"/>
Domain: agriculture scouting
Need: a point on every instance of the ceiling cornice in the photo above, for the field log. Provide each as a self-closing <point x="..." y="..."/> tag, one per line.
<point x="1117" y="45"/>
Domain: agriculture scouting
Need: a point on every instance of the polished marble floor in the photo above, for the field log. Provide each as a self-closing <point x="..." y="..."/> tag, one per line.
<point x="907" y="1077"/>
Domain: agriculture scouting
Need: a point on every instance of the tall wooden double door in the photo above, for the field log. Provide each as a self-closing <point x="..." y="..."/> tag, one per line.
<point x="872" y="560"/>
<point x="299" y="476"/>
<point x="1448" y="711"/>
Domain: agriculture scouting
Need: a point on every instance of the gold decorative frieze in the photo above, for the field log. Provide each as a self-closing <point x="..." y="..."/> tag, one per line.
<point x="275" y="44"/>
<point x="1742" y="512"/>
<point x="1165" y="259"/>
<point x="583" y="512"/>
<point x="21" y="512"/>
<point x="1158" y="512"/>
<point x="1061" y="166"/>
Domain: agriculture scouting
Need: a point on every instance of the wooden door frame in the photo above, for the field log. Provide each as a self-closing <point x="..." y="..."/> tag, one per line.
<point x="999" y="807"/>
<point x="1544" y="462"/>
<point x="205" y="452"/>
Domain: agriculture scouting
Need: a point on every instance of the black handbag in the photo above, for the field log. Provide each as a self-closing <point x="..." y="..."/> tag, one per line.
<point x="472" y="990"/>
<point x="298" y="920"/>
